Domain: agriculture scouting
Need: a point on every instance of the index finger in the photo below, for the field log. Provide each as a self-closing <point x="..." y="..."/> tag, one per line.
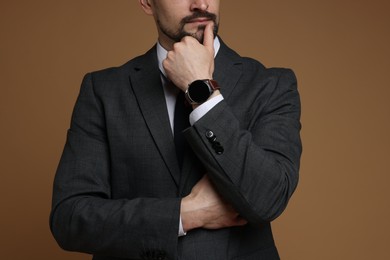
<point x="208" y="37"/>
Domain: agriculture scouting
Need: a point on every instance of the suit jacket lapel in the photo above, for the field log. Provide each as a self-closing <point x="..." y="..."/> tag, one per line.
<point x="228" y="69"/>
<point x="146" y="84"/>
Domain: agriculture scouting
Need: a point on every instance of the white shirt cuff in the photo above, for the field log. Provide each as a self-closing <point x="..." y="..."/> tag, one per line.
<point x="181" y="230"/>
<point x="201" y="110"/>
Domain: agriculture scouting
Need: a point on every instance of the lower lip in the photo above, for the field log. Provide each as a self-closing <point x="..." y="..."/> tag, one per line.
<point x="199" y="21"/>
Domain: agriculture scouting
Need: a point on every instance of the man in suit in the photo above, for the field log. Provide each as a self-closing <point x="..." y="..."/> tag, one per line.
<point x="132" y="185"/>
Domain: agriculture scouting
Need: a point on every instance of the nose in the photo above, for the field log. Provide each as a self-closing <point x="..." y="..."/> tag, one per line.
<point x="199" y="5"/>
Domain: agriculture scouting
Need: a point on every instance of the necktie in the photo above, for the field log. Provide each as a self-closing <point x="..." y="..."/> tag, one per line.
<point x="180" y="122"/>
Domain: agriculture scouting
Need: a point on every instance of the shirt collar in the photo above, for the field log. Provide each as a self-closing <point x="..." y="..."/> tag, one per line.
<point x="162" y="53"/>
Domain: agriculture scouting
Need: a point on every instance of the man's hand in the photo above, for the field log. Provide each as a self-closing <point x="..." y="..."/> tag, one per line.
<point x="189" y="60"/>
<point x="205" y="208"/>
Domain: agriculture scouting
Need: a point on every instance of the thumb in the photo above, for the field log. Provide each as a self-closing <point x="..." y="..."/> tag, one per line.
<point x="208" y="37"/>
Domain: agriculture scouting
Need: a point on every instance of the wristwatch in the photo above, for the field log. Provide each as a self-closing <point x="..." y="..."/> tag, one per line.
<point x="200" y="90"/>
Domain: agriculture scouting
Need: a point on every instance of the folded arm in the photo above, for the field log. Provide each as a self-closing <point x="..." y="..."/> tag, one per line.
<point x="257" y="168"/>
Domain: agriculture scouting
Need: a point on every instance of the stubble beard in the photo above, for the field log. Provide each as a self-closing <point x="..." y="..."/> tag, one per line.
<point x="199" y="34"/>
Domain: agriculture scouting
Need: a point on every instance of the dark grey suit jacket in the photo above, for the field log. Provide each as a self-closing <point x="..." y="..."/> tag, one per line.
<point x="118" y="185"/>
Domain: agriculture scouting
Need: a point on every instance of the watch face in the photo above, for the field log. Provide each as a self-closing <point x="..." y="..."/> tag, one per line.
<point x="199" y="91"/>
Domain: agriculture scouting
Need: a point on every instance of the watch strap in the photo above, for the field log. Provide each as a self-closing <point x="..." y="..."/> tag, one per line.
<point x="213" y="84"/>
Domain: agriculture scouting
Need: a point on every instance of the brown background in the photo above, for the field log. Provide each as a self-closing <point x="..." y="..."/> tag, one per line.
<point x="338" y="49"/>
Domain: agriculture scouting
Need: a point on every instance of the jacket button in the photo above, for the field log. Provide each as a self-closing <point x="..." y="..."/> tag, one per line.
<point x="213" y="139"/>
<point x="219" y="151"/>
<point x="210" y="134"/>
<point x="153" y="255"/>
<point x="218" y="148"/>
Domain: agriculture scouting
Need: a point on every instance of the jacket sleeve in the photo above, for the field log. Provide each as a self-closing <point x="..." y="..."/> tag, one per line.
<point x="84" y="217"/>
<point x="256" y="167"/>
